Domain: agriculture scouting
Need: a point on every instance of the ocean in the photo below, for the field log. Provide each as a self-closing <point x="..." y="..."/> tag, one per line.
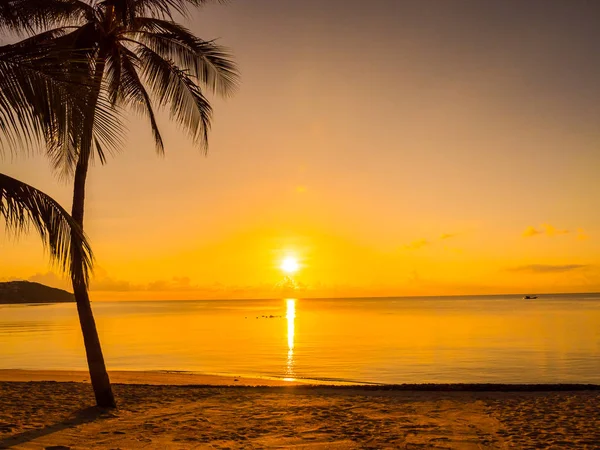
<point x="475" y="339"/>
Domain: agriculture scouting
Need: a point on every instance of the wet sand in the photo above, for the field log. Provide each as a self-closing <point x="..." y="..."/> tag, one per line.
<point x="139" y="377"/>
<point x="182" y="415"/>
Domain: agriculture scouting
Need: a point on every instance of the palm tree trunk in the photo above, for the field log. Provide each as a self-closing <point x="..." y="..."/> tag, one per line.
<point x="93" y="350"/>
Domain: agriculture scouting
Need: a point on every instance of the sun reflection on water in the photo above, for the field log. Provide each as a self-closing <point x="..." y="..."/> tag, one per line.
<point x="291" y="331"/>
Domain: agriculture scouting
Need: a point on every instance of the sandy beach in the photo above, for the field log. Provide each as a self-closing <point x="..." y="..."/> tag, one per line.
<point x="177" y="411"/>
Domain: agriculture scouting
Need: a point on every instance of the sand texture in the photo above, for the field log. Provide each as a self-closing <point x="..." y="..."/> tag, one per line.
<point x="38" y="415"/>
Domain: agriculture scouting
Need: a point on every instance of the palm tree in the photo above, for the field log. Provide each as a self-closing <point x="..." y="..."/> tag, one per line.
<point x="27" y="89"/>
<point x="40" y="100"/>
<point x="136" y="56"/>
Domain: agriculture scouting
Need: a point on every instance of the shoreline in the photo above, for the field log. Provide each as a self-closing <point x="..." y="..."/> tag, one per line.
<point x="159" y="378"/>
<point x="192" y="379"/>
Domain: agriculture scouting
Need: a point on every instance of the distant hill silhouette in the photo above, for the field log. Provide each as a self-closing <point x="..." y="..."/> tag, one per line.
<point x="15" y="292"/>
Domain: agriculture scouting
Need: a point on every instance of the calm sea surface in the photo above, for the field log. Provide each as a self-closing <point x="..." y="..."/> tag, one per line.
<point x="555" y="338"/>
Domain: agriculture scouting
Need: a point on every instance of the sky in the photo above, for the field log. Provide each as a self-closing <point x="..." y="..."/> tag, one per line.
<point x="392" y="147"/>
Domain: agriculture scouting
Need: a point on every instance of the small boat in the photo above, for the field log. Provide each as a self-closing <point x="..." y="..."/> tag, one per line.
<point x="530" y="297"/>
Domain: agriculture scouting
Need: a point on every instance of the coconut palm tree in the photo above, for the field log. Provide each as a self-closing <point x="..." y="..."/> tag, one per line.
<point x="138" y="57"/>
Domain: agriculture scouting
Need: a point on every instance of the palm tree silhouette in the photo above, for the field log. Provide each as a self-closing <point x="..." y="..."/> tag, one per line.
<point x="135" y="56"/>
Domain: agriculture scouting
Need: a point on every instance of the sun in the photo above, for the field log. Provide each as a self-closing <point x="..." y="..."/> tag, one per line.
<point x="289" y="265"/>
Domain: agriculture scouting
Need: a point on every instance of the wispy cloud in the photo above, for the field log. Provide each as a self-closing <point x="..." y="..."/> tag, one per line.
<point x="448" y="235"/>
<point x="420" y="243"/>
<point x="417" y="244"/>
<point x="531" y="231"/>
<point x="174" y="284"/>
<point x="548" y="268"/>
<point x="546" y="229"/>
<point x="581" y="235"/>
<point x="552" y="231"/>
<point x="102" y="281"/>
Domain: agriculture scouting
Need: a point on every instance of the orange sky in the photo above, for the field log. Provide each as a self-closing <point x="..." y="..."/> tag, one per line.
<point x="400" y="148"/>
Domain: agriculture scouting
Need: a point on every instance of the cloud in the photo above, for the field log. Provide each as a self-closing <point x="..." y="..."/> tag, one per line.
<point x="174" y="284"/>
<point x="109" y="284"/>
<point x="420" y="243"/>
<point x="448" y="235"/>
<point x="548" y="268"/>
<point x="102" y="281"/>
<point x="551" y="231"/>
<point x="51" y="279"/>
<point x="531" y="231"/>
<point x="546" y="229"/>
<point x="417" y="244"/>
<point x="581" y="235"/>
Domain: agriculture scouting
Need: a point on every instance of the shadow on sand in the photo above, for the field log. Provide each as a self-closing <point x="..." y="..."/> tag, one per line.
<point x="86" y="415"/>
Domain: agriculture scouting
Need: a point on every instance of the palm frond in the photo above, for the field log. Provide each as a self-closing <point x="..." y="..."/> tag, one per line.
<point x="210" y="63"/>
<point x="167" y="56"/>
<point x="31" y="95"/>
<point x="43" y="91"/>
<point x="22" y="206"/>
<point x="68" y="73"/>
<point x="135" y="94"/>
<point x="175" y="89"/>
<point x="32" y="15"/>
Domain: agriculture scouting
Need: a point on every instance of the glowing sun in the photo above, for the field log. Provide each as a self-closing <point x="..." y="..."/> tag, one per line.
<point x="289" y="265"/>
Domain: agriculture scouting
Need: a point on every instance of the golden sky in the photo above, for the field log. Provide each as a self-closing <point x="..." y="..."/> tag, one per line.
<point x="393" y="147"/>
